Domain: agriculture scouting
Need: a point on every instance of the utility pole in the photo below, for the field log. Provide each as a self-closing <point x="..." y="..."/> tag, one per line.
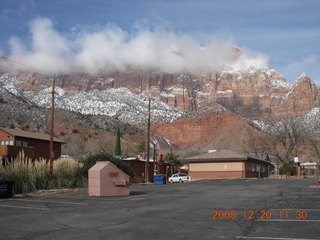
<point x="148" y="144"/>
<point x="154" y="157"/>
<point x="51" y="156"/>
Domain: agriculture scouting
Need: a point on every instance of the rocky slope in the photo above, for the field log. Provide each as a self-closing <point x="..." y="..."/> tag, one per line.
<point x="85" y="128"/>
<point x="218" y="130"/>
<point x="193" y="111"/>
<point x="256" y="93"/>
<point x="119" y="103"/>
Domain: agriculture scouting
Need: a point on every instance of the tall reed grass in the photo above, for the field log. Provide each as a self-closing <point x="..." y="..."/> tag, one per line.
<point x="20" y="171"/>
<point x="68" y="173"/>
<point x="29" y="176"/>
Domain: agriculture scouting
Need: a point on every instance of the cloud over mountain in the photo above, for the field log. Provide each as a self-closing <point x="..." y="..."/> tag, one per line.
<point x="111" y="48"/>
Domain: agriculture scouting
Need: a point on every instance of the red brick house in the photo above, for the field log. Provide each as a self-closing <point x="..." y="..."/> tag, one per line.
<point x="137" y="166"/>
<point x="35" y="145"/>
<point x="228" y="164"/>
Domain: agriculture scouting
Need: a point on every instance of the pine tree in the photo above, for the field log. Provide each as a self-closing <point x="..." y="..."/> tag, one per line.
<point x="117" y="151"/>
<point x="173" y="158"/>
<point x="141" y="148"/>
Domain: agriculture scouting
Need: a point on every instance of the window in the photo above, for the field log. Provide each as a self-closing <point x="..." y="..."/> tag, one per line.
<point x="25" y="144"/>
<point x="253" y="167"/>
<point x="6" y="143"/>
<point x="2" y="143"/>
<point x="11" y="143"/>
<point x="30" y="145"/>
<point x="18" y="143"/>
<point x="182" y="174"/>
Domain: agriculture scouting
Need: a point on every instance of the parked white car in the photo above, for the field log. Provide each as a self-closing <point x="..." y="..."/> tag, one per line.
<point x="179" y="177"/>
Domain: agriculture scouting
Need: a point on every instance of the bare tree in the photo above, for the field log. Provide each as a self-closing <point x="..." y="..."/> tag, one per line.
<point x="287" y="138"/>
<point x="256" y="144"/>
<point x="314" y="143"/>
<point x="288" y="134"/>
<point x="283" y="138"/>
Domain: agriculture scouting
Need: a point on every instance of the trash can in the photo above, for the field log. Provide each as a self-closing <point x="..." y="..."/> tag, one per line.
<point x="6" y="189"/>
<point x="159" y="179"/>
<point x="106" y="180"/>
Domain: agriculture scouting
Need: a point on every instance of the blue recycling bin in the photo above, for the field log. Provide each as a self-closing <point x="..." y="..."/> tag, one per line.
<point x="159" y="179"/>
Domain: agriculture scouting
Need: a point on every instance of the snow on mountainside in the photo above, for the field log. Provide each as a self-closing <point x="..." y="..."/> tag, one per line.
<point x="263" y="73"/>
<point x="309" y="122"/>
<point x="254" y="91"/>
<point x="115" y="102"/>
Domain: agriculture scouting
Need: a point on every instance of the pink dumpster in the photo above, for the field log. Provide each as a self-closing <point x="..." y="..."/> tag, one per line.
<point x="105" y="179"/>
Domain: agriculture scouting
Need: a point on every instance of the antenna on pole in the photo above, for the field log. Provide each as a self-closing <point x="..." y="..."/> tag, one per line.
<point x="51" y="155"/>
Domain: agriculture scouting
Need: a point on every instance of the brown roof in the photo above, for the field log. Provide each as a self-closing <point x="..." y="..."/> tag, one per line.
<point x="26" y="134"/>
<point x="221" y="155"/>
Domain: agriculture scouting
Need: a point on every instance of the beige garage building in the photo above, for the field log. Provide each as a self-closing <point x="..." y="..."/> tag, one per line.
<point x="227" y="164"/>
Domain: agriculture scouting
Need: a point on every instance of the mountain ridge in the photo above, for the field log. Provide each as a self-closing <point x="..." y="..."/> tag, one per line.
<point x="263" y="90"/>
<point x="234" y="97"/>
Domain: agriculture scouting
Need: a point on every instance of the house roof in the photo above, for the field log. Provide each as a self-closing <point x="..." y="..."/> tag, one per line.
<point x="223" y="155"/>
<point x="26" y="134"/>
<point x="262" y="156"/>
<point x="309" y="164"/>
<point x="136" y="159"/>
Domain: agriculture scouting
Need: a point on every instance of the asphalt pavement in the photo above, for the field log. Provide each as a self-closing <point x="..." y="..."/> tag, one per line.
<point x="271" y="209"/>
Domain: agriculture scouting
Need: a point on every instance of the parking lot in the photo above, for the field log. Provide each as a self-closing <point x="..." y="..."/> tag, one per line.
<point x="208" y="209"/>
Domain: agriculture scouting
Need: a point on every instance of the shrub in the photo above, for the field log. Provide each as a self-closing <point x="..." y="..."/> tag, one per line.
<point x="20" y="171"/>
<point x="75" y="130"/>
<point x="90" y="161"/>
<point x="68" y="174"/>
<point x="288" y="169"/>
<point x="173" y="159"/>
<point x="41" y="171"/>
<point x="30" y="176"/>
<point x="21" y="175"/>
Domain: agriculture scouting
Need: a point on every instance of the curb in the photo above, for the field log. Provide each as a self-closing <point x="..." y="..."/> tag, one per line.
<point x="52" y="191"/>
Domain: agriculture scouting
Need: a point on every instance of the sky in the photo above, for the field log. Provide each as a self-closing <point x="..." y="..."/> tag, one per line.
<point x="172" y="35"/>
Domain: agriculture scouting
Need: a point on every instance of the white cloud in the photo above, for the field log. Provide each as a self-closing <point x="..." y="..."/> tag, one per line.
<point x="301" y="65"/>
<point x="310" y="65"/>
<point x="111" y="48"/>
<point x="246" y="61"/>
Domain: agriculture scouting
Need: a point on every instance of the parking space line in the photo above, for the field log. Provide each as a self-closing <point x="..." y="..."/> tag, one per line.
<point x="94" y="198"/>
<point x="272" y="238"/>
<point x="288" y="209"/>
<point x="136" y="199"/>
<point x="287" y="220"/>
<point x="91" y="198"/>
<point x="226" y="180"/>
<point x="45" y="201"/>
<point x="25" y="207"/>
<point x="251" y="179"/>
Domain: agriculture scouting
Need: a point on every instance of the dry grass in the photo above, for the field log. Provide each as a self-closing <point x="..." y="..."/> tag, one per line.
<point x="68" y="173"/>
<point x="30" y="176"/>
